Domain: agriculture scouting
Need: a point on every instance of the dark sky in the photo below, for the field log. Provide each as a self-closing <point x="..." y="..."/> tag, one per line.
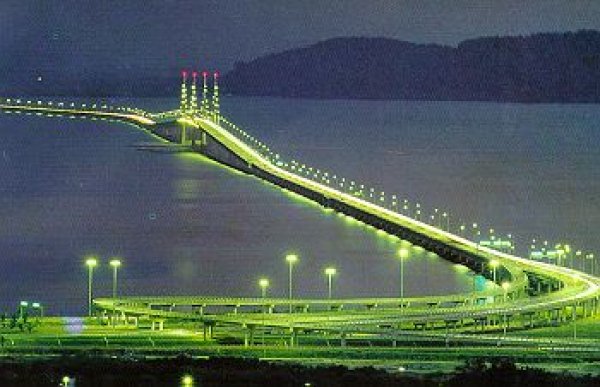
<point x="83" y="35"/>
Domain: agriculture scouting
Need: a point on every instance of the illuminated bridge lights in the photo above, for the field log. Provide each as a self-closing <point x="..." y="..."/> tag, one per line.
<point x="560" y="254"/>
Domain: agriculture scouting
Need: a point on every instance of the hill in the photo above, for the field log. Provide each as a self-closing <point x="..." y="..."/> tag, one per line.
<point x="549" y="67"/>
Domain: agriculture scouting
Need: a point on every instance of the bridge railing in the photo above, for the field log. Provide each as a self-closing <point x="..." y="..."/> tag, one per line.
<point x="393" y="202"/>
<point x="435" y="217"/>
<point x="53" y="105"/>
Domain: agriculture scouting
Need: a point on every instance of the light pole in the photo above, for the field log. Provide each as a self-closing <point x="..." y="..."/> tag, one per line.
<point x="590" y="257"/>
<point x="402" y="253"/>
<point x="264" y="284"/>
<point x="476" y="232"/>
<point x="91" y="263"/>
<point x="39" y="307"/>
<point x="23" y="305"/>
<point x="330" y="272"/>
<point x="505" y="286"/>
<point x="578" y="255"/>
<point x="567" y="249"/>
<point x="115" y="263"/>
<point x="291" y="260"/>
<point x="445" y="216"/>
<point x="494" y="263"/>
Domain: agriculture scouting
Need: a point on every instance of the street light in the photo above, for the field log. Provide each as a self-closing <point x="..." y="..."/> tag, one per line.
<point x="91" y="263"/>
<point x="23" y="305"/>
<point x="291" y="260"/>
<point x="264" y="284"/>
<point x="476" y="232"/>
<point x="494" y="263"/>
<point x="590" y="257"/>
<point x="115" y="263"/>
<point x="330" y="272"/>
<point x="39" y="307"/>
<point x="402" y="253"/>
<point x="578" y="254"/>
<point x="505" y="286"/>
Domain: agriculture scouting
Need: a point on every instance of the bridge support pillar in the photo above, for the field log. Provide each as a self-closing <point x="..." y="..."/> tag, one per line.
<point x="294" y="337"/>
<point x="207" y="330"/>
<point x="157" y="325"/>
<point x="249" y="336"/>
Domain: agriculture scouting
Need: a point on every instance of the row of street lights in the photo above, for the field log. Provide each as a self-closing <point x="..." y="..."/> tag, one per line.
<point x="330" y="272"/>
<point x="292" y="259"/>
<point x="91" y="263"/>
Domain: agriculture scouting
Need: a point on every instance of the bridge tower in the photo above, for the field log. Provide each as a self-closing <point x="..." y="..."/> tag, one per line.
<point x="215" y="99"/>
<point x="205" y="104"/>
<point x="183" y="103"/>
<point x="193" y="104"/>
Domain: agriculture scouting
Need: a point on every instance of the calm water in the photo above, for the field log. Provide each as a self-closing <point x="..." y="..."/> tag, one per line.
<point x="185" y="225"/>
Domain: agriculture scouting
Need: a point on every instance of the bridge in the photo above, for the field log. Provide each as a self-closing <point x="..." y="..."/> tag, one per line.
<point x="528" y="291"/>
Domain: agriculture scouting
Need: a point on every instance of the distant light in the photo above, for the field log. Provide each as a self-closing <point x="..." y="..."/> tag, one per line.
<point x="263" y="283"/>
<point x="39" y="79"/>
<point x="330" y="271"/>
<point x="24" y="303"/>
<point x="115" y="262"/>
<point x="291" y="258"/>
<point x="187" y="380"/>
<point x="195" y="74"/>
<point x="217" y="74"/>
<point x="184" y="73"/>
<point x="403" y="253"/>
<point x="91" y="262"/>
<point x="205" y="73"/>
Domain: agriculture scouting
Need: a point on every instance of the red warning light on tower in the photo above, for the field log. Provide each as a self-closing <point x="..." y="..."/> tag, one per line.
<point x="205" y="73"/>
<point x="184" y="73"/>
<point x="195" y="74"/>
<point x="217" y="74"/>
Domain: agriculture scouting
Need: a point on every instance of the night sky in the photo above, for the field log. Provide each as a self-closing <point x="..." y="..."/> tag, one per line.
<point x="107" y="36"/>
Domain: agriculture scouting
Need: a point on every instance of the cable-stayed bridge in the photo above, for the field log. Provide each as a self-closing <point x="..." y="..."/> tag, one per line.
<point x="528" y="291"/>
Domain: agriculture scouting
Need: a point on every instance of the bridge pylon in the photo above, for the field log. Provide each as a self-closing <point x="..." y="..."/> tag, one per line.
<point x="216" y="111"/>
<point x="183" y="103"/>
<point x="193" y="100"/>
<point x="205" y="104"/>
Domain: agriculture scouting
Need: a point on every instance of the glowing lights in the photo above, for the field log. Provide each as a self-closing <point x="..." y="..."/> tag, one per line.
<point x="263" y="283"/>
<point x="187" y="380"/>
<point x="291" y="258"/>
<point x="330" y="271"/>
<point x="91" y="262"/>
<point x="403" y="253"/>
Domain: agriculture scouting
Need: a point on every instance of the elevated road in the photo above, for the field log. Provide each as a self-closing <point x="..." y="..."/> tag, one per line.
<point x="575" y="292"/>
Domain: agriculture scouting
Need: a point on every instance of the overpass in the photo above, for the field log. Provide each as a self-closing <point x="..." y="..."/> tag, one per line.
<point x="536" y="290"/>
